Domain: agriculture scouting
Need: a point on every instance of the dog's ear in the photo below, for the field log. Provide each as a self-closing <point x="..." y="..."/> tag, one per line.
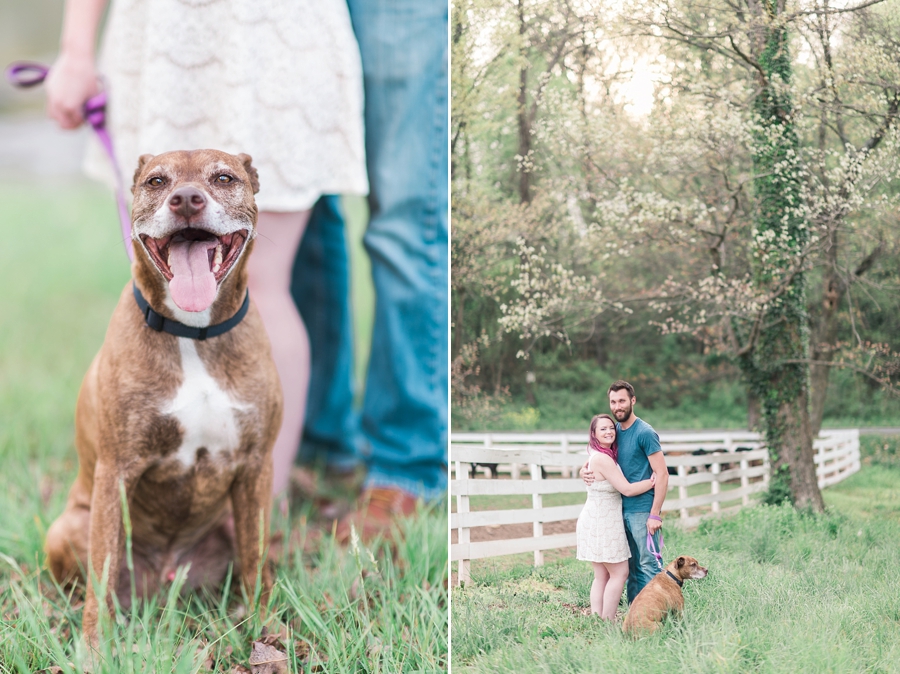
<point x="247" y="161"/>
<point x="679" y="562"/>
<point x="142" y="161"/>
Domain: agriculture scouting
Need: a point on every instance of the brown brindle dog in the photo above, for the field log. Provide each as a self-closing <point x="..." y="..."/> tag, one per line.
<point x="661" y="596"/>
<point x="185" y="424"/>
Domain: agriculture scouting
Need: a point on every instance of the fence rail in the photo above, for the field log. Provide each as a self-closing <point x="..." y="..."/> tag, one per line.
<point x="735" y="465"/>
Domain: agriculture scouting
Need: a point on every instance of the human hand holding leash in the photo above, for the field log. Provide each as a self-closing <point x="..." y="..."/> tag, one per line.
<point x="73" y="78"/>
<point x="654" y="523"/>
<point x="71" y="82"/>
<point x="25" y="74"/>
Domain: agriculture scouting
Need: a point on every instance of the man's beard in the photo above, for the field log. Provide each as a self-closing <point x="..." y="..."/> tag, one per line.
<point x="622" y="415"/>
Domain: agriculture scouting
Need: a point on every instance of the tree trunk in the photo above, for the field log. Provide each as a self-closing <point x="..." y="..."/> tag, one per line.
<point x="822" y="341"/>
<point x="818" y="388"/>
<point x="523" y="119"/>
<point x="753" y="414"/>
<point x="457" y="36"/>
<point x="776" y="365"/>
<point x="458" y="327"/>
<point x="796" y="452"/>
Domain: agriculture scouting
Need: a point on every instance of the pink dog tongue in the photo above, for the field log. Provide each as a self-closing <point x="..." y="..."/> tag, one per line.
<point x="194" y="285"/>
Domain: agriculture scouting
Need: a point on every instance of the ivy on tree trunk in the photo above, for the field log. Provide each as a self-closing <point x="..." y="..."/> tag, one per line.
<point x="773" y="366"/>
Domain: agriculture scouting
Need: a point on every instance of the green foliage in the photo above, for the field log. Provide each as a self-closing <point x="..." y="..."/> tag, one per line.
<point x="689" y="220"/>
<point x="880" y="450"/>
<point x="779" y="487"/>
<point x="856" y="401"/>
<point x="569" y="391"/>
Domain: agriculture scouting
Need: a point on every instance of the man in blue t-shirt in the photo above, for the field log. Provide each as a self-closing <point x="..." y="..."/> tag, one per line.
<point x="640" y="455"/>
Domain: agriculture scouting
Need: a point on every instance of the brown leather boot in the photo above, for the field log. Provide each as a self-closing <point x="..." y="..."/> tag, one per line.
<point x="378" y="509"/>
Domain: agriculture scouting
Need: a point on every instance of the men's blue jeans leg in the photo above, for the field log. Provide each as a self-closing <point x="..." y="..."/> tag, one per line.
<point x="403" y="44"/>
<point x="321" y="289"/>
<point x="643" y="565"/>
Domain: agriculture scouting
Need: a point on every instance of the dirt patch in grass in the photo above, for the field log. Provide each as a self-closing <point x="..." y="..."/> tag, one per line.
<point x="576" y="609"/>
<point x="506" y="531"/>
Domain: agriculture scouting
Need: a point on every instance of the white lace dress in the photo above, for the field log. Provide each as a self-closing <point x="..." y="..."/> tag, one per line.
<point x="281" y="81"/>
<point x="600" y="531"/>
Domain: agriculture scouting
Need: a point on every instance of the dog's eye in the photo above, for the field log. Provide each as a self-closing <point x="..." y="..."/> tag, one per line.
<point x="156" y="181"/>
<point x="224" y="178"/>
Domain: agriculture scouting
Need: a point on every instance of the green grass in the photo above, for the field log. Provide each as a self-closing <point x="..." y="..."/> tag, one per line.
<point x="787" y="592"/>
<point x="62" y="267"/>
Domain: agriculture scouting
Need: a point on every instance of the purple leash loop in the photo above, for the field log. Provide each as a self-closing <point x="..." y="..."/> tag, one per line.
<point x="24" y="74"/>
<point x="651" y="547"/>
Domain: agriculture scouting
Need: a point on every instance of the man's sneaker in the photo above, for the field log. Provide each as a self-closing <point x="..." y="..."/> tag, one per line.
<point x="379" y="508"/>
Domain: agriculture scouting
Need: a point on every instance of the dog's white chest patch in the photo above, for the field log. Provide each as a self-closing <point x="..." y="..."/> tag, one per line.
<point x="204" y="410"/>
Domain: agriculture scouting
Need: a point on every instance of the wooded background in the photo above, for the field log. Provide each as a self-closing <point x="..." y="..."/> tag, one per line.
<point x="700" y="197"/>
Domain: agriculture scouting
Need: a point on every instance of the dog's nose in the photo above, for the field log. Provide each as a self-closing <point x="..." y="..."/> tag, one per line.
<point x="187" y="201"/>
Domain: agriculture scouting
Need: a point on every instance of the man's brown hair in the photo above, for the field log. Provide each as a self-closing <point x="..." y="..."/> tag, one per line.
<point x="619" y="385"/>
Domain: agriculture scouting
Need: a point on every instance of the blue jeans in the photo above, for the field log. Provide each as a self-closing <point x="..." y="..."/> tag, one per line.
<point x="643" y="565"/>
<point x="321" y="288"/>
<point x="401" y="431"/>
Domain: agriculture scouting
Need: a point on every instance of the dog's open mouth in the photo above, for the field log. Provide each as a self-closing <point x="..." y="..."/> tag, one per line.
<point x="194" y="262"/>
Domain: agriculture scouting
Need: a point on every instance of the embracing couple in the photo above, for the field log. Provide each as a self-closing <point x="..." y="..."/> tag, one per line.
<point x="626" y="480"/>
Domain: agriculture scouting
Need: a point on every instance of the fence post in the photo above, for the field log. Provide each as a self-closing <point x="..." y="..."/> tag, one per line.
<point x="716" y="469"/>
<point x="514" y="471"/>
<point x="537" y="502"/>
<point x="682" y="489"/>
<point x="462" y="506"/>
<point x="846" y="450"/>
<point x="820" y="463"/>
<point x="745" y="481"/>
<point x="566" y="470"/>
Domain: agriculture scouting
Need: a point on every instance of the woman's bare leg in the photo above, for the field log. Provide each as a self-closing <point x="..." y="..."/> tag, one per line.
<point x="618" y="574"/>
<point x="598" y="586"/>
<point x="270" y="267"/>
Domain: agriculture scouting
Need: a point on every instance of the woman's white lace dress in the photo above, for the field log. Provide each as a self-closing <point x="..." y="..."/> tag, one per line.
<point x="600" y="531"/>
<point x="281" y="81"/>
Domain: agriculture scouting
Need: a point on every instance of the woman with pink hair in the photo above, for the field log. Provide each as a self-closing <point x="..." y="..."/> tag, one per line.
<point x="600" y="531"/>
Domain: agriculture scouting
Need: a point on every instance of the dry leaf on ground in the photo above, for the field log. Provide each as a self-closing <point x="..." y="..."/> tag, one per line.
<point x="273" y="639"/>
<point x="266" y="659"/>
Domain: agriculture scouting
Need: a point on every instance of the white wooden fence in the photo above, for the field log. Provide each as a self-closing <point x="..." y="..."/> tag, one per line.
<point x="737" y="461"/>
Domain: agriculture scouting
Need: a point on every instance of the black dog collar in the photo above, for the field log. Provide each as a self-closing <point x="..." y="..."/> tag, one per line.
<point x="162" y="324"/>
<point x="669" y="574"/>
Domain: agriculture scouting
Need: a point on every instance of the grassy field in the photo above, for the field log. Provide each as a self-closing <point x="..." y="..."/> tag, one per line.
<point x="62" y="267"/>
<point x="852" y="404"/>
<point x="786" y="592"/>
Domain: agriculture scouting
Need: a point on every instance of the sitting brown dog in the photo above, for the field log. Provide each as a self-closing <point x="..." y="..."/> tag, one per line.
<point x="661" y="596"/>
<point x="181" y="406"/>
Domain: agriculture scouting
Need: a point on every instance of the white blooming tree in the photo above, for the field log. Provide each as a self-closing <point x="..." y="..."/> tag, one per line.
<point x="746" y="209"/>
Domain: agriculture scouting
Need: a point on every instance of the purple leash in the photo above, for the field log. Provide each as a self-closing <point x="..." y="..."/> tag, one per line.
<point x="24" y="75"/>
<point x="652" y="548"/>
